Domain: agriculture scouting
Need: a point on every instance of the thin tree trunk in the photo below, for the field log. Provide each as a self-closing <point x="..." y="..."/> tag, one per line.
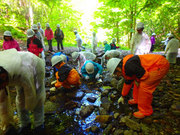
<point x="31" y="13"/>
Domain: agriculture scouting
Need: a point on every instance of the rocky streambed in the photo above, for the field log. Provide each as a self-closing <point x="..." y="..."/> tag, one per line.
<point x="93" y="108"/>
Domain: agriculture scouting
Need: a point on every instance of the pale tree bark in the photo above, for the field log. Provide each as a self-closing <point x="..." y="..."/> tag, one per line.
<point x="31" y="13"/>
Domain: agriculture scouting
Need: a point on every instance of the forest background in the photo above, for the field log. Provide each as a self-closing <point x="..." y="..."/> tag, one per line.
<point x="108" y="18"/>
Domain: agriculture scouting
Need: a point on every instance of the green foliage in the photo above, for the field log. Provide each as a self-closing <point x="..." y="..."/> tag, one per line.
<point x="120" y="17"/>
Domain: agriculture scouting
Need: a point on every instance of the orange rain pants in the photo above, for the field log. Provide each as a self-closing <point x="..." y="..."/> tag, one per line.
<point x="142" y="94"/>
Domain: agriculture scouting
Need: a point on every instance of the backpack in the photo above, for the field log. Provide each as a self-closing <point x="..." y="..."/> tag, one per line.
<point x="113" y="46"/>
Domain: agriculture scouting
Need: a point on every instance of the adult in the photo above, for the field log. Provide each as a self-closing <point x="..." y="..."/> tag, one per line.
<point x="40" y="29"/>
<point x="110" y="54"/>
<point x="140" y="43"/>
<point x="59" y="36"/>
<point x="94" y="42"/>
<point x="66" y="76"/>
<point x="81" y="57"/>
<point x="40" y="37"/>
<point x="113" y="44"/>
<point x="153" y="41"/>
<point x="91" y="70"/>
<point x="26" y="72"/>
<point x="79" y="41"/>
<point x="49" y="36"/>
<point x="166" y="41"/>
<point x="107" y="47"/>
<point x="9" y="42"/>
<point x="172" y="49"/>
<point x="145" y="72"/>
<point x="34" y="45"/>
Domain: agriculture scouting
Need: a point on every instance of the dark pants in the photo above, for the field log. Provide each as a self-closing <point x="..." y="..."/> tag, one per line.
<point x="152" y="48"/>
<point x="50" y="45"/>
<point x="60" y="42"/>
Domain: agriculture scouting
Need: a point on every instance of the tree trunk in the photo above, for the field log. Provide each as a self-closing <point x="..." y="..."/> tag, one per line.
<point x="31" y="13"/>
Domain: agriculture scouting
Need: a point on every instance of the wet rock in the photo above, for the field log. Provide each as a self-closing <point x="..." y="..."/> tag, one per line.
<point x="102" y="111"/>
<point x="129" y="132"/>
<point x="118" y="132"/>
<point x="108" y="129"/>
<point x="147" y="120"/>
<point x="112" y="96"/>
<point x="104" y="93"/>
<point x="70" y="105"/>
<point x="103" y="118"/>
<point x="145" y="129"/>
<point x="105" y="104"/>
<point x="94" y="129"/>
<point x="52" y="98"/>
<point x="130" y="123"/>
<point x="176" y="113"/>
<point x="91" y="99"/>
<point x="116" y="115"/>
<point x="50" y="107"/>
<point x="86" y="111"/>
<point x="114" y="83"/>
<point x="79" y="95"/>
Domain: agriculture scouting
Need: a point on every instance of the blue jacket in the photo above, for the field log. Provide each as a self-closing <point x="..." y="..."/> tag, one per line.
<point x="97" y="69"/>
<point x="59" y="53"/>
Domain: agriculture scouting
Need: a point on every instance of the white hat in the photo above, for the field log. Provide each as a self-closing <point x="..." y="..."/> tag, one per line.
<point x="34" y="27"/>
<point x="171" y="36"/>
<point x="75" y="55"/>
<point x="38" y="24"/>
<point x="30" y="33"/>
<point x="7" y="33"/>
<point x="75" y="31"/>
<point x="104" y="42"/>
<point x="112" y="64"/>
<point x="89" y="68"/>
<point x="47" y="25"/>
<point x="58" y="25"/>
<point x="153" y="34"/>
<point x="55" y="60"/>
<point x="140" y="25"/>
<point x="113" y="40"/>
<point x="63" y="57"/>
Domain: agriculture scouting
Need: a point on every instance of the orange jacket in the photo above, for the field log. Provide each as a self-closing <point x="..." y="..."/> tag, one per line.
<point x="73" y="79"/>
<point x="148" y="63"/>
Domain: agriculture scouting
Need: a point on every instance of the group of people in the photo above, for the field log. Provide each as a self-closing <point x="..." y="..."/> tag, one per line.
<point x="26" y="71"/>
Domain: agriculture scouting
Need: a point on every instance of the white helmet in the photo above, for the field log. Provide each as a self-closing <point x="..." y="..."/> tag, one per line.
<point x="58" y="25"/>
<point x="89" y="68"/>
<point x="75" y="55"/>
<point x="47" y="25"/>
<point x="30" y="33"/>
<point x="113" y="40"/>
<point x="112" y="64"/>
<point x="168" y="34"/>
<point x="104" y="42"/>
<point x="153" y="34"/>
<point x="55" y="60"/>
<point x="34" y="27"/>
<point x="75" y="31"/>
<point x="38" y="24"/>
<point x="171" y="36"/>
<point x="140" y="25"/>
<point x="7" y="33"/>
<point x="63" y="57"/>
